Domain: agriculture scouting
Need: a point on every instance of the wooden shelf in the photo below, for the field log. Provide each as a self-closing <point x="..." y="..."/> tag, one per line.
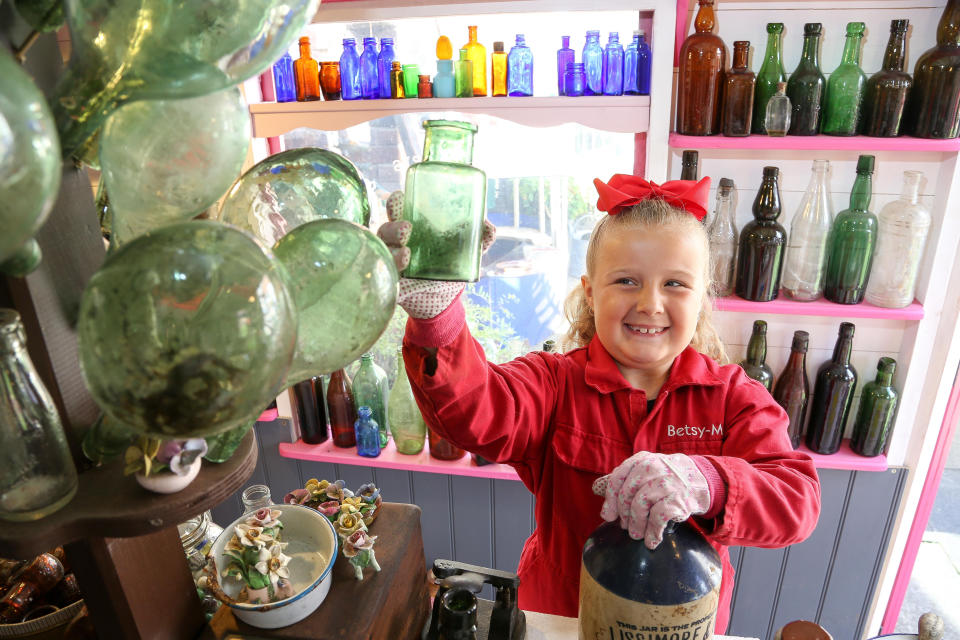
<point x="620" y="114"/>
<point x="111" y="505"/>
<point x="846" y="459"/>
<point x="858" y="144"/>
<point x="784" y="306"/>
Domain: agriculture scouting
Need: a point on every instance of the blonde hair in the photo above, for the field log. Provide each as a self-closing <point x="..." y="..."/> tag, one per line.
<point x="649" y="213"/>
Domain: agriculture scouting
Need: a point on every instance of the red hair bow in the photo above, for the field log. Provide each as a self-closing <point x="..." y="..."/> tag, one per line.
<point x="625" y="190"/>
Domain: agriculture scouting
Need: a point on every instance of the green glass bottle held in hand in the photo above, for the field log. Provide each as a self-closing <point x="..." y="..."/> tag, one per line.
<point x="851" y="242"/>
<point x="845" y="88"/>
<point x="771" y="73"/>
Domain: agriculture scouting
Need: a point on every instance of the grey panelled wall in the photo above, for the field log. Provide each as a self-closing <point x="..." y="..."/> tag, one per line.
<point x="829" y="578"/>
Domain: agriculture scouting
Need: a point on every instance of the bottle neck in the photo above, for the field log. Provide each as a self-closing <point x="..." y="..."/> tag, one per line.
<point x="705" y="20"/>
<point x="304" y="50"/>
<point x="767" y="204"/>
<point x="811" y="51"/>
<point x="757" y="349"/>
<point x="841" y="352"/>
<point x="472" y="35"/>
<point x="862" y="192"/>
<point x="566" y="42"/>
<point x="797" y="360"/>
<point x="884" y="379"/>
<point x="948" y="30"/>
<point x="851" y="50"/>
<point x="448" y="144"/>
<point x="724" y="212"/>
<point x="896" y="51"/>
<point x="772" y="54"/>
<point x="740" y="55"/>
<point x="911" y="187"/>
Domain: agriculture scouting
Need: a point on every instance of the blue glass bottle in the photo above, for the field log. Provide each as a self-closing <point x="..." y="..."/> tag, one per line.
<point x="643" y="66"/>
<point x="630" y="53"/>
<point x="445" y="82"/>
<point x="384" y="61"/>
<point x="367" y="432"/>
<point x="283" y="83"/>
<point x="593" y="64"/>
<point x="565" y="56"/>
<point x="574" y="80"/>
<point x="520" y="69"/>
<point x="369" y="73"/>
<point x="350" y="71"/>
<point x="613" y="66"/>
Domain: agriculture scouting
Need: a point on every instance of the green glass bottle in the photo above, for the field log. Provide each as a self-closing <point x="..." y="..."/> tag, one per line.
<point x="845" y="88"/>
<point x="756" y="365"/>
<point x="878" y="402"/>
<point x="806" y="86"/>
<point x="370" y="389"/>
<point x="463" y="70"/>
<point x="771" y="73"/>
<point x="445" y="200"/>
<point x="851" y="242"/>
<point x="832" y="396"/>
<point x="407" y="425"/>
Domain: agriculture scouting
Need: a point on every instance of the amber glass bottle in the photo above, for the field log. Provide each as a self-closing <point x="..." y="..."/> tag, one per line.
<point x="793" y="387"/>
<point x="738" y="85"/>
<point x="306" y="73"/>
<point x="690" y="165"/>
<point x="702" y="62"/>
<point x="443" y="449"/>
<point x="933" y="110"/>
<point x="343" y="411"/>
<point x="833" y="396"/>
<point x="887" y="89"/>
<point x="760" y="255"/>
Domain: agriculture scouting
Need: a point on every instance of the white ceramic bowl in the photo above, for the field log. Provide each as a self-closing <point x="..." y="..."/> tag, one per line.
<point x="313" y="546"/>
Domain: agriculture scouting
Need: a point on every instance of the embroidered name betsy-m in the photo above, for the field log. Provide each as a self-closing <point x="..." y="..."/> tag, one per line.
<point x="706" y="432"/>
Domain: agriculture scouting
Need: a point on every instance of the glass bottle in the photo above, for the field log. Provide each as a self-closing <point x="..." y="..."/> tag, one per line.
<point x="886" y="92"/>
<point x="330" y="80"/>
<point x="396" y="79"/>
<point x="770" y="75"/>
<point x="222" y="446"/>
<point x="644" y="61"/>
<point x="902" y="227"/>
<point x="306" y="73"/>
<point x="832" y="396"/>
<point x="878" y="403"/>
<point x="933" y="110"/>
<point x="793" y="387"/>
<point x="370" y="389"/>
<point x="443" y="449"/>
<point x="350" y="88"/>
<point x="851" y="242"/>
<point x="343" y="410"/>
<point x="592" y="57"/>
<point x="444" y="48"/>
<point x="807" y="243"/>
<point x="565" y="56"/>
<point x="723" y="239"/>
<point x="806" y="85"/>
<point x="369" y="76"/>
<point x="445" y="82"/>
<point x="256" y="497"/>
<point x="520" y="69"/>
<point x="845" y="88"/>
<point x="738" y="86"/>
<point x="106" y="439"/>
<point x="689" y="164"/>
<point x="549" y="346"/>
<point x="367" y="433"/>
<point x="755" y="365"/>
<point x="464" y="74"/>
<point x="411" y="77"/>
<point x="613" y="66"/>
<point x="37" y="476"/>
<point x="498" y="70"/>
<point x="576" y="80"/>
<point x="630" y="66"/>
<point x="284" y="83"/>
<point x="424" y="87"/>
<point x="406" y="423"/>
<point x="197" y="536"/>
<point x="477" y="54"/>
<point x="777" y="120"/>
<point x="702" y="62"/>
<point x="445" y="200"/>
<point x="309" y="414"/>
<point x="760" y="253"/>
<point x="384" y="64"/>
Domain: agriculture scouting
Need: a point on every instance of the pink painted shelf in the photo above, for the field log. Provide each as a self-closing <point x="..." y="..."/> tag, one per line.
<point x="784" y="306"/>
<point x="858" y="144"/>
<point x="268" y="416"/>
<point x="389" y="458"/>
<point x="846" y="459"/>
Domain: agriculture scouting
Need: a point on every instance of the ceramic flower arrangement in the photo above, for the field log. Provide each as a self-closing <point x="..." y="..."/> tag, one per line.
<point x="350" y="512"/>
<point x="256" y="558"/>
<point x="164" y="466"/>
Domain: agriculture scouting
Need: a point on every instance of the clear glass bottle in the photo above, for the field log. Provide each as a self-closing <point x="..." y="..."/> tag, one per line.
<point x="520" y="69"/>
<point x="792" y="391"/>
<point x="498" y="70"/>
<point x="37" y="476"/>
<point x="256" y="497"/>
<point x="699" y="81"/>
<point x="370" y="389"/>
<point x="306" y="73"/>
<point x="886" y="92"/>
<point x="933" y="110"/>
<point x="807" y="85"/>
<point x="284" y="84"/>
<point x="738" y="86"/>
<point x="807" y="242"/>
<point x="851" y="243"/>
<point x="197" y="536"/>
<point x="406" y="423"/>
<point x="770" y="75"/>
<point x="630" y="66"/>
<point x="878" y="403"/>
<point x="902" y="228"/>
<point x="477" y="54"/>
<point x="350" y="71"/>
<point x="592" y="57"/>
<point x="760" y="251"/>
<point x="367" y="433"/>
<point x="463" y="70"/>
<point x="613" y="66"/>
<point x="369" y="75"/>
<point x="644" y="61"/>
<point x="384" y="63"/>
<point x="723" y="239"/>
<point x="755" y="364"/>
<point x="832" y="396"/>
<point x="445" y="82"/>
<point x="845" y="88"/>
<point x="576" y="80"/>
<point x="445" y="200"/>
<point x="565" y="56"/>
<point x="777" y="119"/>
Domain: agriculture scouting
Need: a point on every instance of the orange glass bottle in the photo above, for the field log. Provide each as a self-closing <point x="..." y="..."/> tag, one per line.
<point x="702" y="63"/>
<point x="477" y="54"/>
<point x="306" y="73"/>
<point x="498" y="70"/>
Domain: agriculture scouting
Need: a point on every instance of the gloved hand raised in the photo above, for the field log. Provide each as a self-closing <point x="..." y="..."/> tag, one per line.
<point x="647" y="490"/>
<point x="420" y="298"/>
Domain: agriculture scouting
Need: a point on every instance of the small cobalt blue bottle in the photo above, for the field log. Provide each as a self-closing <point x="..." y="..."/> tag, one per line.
<point x="350" y="71"/>
<point x="574" y="80"/>
<point x="643" y="66"/>
<point x="630" y="86"/>
<point x="367" y="432"/>
<point x="384" y="62"/>
<point x="283" y="82"/>
<point x="565" y="56"/>
<point x="593" y="64"/>
<point x="613" y="66"/>
<point x="369" y="76"/>
<point x="520" y="69"/>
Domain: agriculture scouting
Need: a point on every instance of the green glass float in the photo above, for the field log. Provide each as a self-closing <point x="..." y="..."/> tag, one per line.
<point x="287" y="189"/>
<point x="127" y="50"/>
<point x="344" y="283"/>
<point x="30" y="164"/>
<point x="187" y="331"/>
<point x="171" y="158"/>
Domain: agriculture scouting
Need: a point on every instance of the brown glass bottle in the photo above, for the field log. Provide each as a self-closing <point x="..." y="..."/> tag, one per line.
<point x="443" y="449"/>
<point x="833" y="396"/>
<point x="310" y="413"/>
<point x="793" y="387"/>
<point x="689" y="165"/>
<point x="738" y="85"/>
<point x="306" y="73"/>
<point x="760" y="255"/>
<point x="887" y="90"/>
<point x="933" y="110"/>
<point x="702" y="62"/>
<point x="755" y="365"/>
<point x="343" y="411"/>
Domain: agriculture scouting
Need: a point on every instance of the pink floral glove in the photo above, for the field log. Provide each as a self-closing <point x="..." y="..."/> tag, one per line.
<point x="648" y="490"/>
<point x="420" y="298"/>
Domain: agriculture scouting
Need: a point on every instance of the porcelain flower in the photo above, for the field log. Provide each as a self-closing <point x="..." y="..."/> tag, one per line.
<point x="297" y="496"/>
<point x="251" y="536"/>
<point x="357" y="542"/>
<point x="329" y="508"/>
<point x="335" y="490"/>
<point x="150" y="456"/>
<point x="316" y="488"/>
<point x="355" y="502"/>
<point x="190" y="450"/>
<point x="265" y="518"/>
<point x="349" y="523"/>
<point x="368" y="492"/>
<point x="273" y="563"/>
